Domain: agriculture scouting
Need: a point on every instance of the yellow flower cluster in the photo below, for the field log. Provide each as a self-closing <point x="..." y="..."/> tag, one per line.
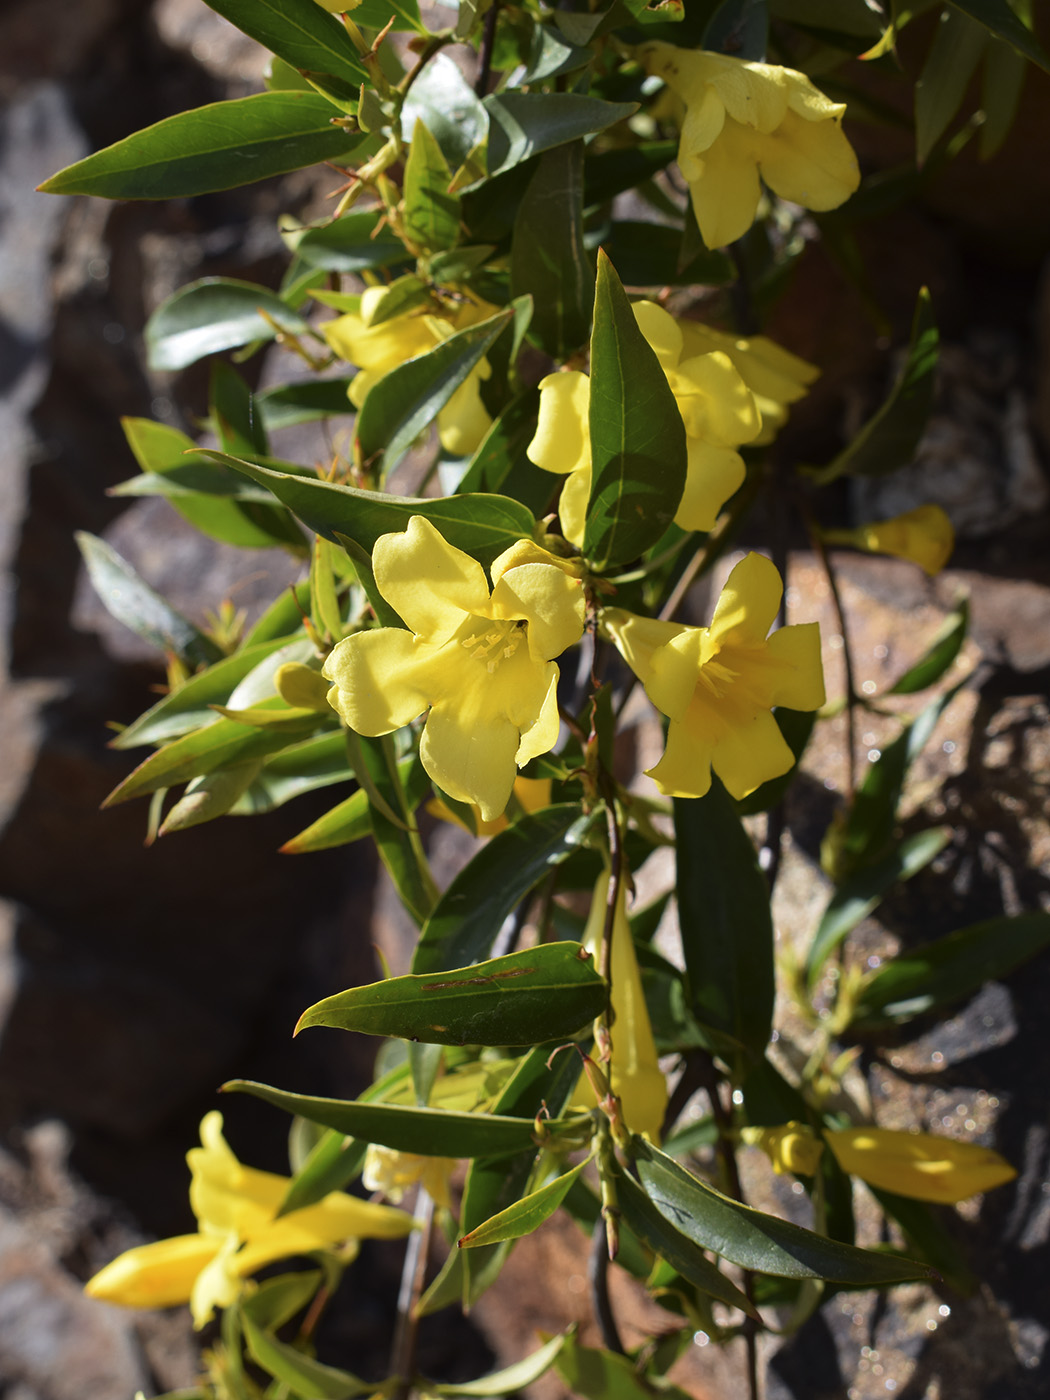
<point x="718" y="684"/>
<point x="744" y="121"/>
<point x="238" y="1233"/>
<point x="481" y="659"/>
<point x="729" y="390"/>
<point x="376" y="349"/>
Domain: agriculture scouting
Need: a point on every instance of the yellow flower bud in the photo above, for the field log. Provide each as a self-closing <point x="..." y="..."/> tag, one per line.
<point x="794" y="1147"/>
<point x="924" y="535"/>
<point x="920" y="1165"/>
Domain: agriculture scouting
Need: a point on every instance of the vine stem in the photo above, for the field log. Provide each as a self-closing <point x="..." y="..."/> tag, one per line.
<point x="840" y="615"/>
<point x="403" y="1349"/>
<point x="488" y="41"/>
<point x="598" y="1277"/>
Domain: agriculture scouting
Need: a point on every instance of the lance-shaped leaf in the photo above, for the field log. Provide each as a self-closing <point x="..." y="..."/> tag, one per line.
<point x="213" y="148"/>
<point x="131" y="601"/>
<point x="409" y="398"/>
<point x="501" y="462"/>
<point x="1000" y="19"/>
<point x="348" y="244"/>
<point x="347" y="821"/>
<point x="668" y="1242"/>
<point x="856" y="899"/>
<point x="638" y="452"/>
<point x="740" y="28"/>
<point x="313" y="763"/>
<point x="376" y="14"/>
<point x="479" y="524"/>
<point x="758" y="1241"/>
<point x="522" y="124"/>
<point x="216" y="313"/>
<point x="299" y="1372"/>
<point x="526" y="1214"/>
<point x="727" y="930"/>
<point x="527" y="998"/>
<point x="443" y="99"/>
<point x="951" y="968"/>
<point x="305" y="36"/>
<point x="431" y="214"/>
<point x="889" y="439"/>
<point x="957" y="47"/>
<point x="277" y="1301"/>
<point x="288" y="405"/>
<point x="431" y="1132"/>
<point x="547" y="257"/>
<point x="509" y="1381"/>
<point x="467" y="918"/>
<point x="391" y="815"/>
<point x="943" y="650"/>
<point x="597" y="1374"/>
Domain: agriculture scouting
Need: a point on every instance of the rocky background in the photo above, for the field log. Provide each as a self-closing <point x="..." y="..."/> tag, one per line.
<point x="133" y="981"/>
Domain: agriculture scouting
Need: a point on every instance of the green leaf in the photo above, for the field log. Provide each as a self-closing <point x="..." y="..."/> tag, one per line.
<point x="522" y="124"/>
<point x="220" y="745"/>
<point x="277" y="1301"/>
<point x="443" y="99"/>
<point x="431" y="214"/>
<point x="212" y="148"/>
<point x="467" y="918"/>
<point x="610" y="173"/>
<point x="727" y="930"/>
<point x="997" y="16"/>
<point x="927" y="1236"/>
<point x="239" y="429"/>
<point x="190" y="706"/>
<point x="407" y="399"/>
<point x="754" y="1240"/>
<point x="889" y="439"/>
<point x="950" y="969"/>
<point x="739" y="28"/>
<point x="547" y="258"/>
<point x="669" y="1243"/>
<point x="943" y="650"/>
<point x="638" y="452"/>
<point x="542" y="994"/>
<point x="480" y="525"/>
<point x="283" y="617"/>
<point x="391" y="815"/>
<point x="348" y="244"/>
<point x="651" y="255"/>
<point x="526" y="1214"/>
<point x="376" y="14"/>
<point x="334" y="1162"/>
<point x="314" y="763"/>
<point x="950" y="64"/>
<point x="602" y="1375"/>
<point x="216" y="313"/>
<point x="551" y="54"/>
<point x="869" y="824"/>
<point x="1003" y="82"/>
<point x="288" y="405"/>
<point x="856" y="899"/>
<point x="348" y="821"/>
<point x="501" y="462"/>
<point x="506" y="1382"/>
<point x="305" y="36"/>
<point x="301" y="1373"/>
<point x="431" y="1132"/>
<point x="131" y="601"/>
<point x="210" y="796"/>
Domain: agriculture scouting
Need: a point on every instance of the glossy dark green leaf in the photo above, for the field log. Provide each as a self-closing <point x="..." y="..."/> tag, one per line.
<point x="646" y="254"/>
<point x="509" y="1381"/>
<point x="377" y="14"/>
<point x="332" y="1164"/>
<point x="190" y="706"/>
<point x="347" y="244"/>
<point x="391" y="814"/>
<point x="305" y="36"/>
<point x="526" y="1214"/>
<point x="638" y="452"/>
<point x="668" y="1242"/>
<point x="595" y="1374"/>
<point x="999" y="19"/>
<point x="468" y="917"/>
<point x="313" y="763"/>
<point x="542" y="994"/>
<point x="950" y="64"/>
<point x="212" y="148"/>
<point x="548" y="260"/>
<point x="131" y="601"/>
<point x="301" y="1373"/>
<point x="551" y="54"/>
<point x="219" y="745"/>
<point x="501" y="462"/>
<point x="481" y="525"/>
<point x="288" y="405"/>
<point x="431" y="214"/>
<point x="950" y="969"/>
<point x="431" y="1132"/>
<point x="727" y="930"/>
<point x="210" y="796"/>
<point x="943" y="650"/>
<point x="443" y="99"/>
<point x="239" y="428"/>
<point x="610" y="173"/>
<point x="870" y="822"/>
<point x="407" y="399"/>
<point x="277" y="1300"/>
<point x="522" y="124"/>
<point x="216" y="313"/>
<point x="888" y="440"/>
<point x="1002" y="83"/>
<point x="866" y="890"/>
<point x="758" y="1241"/>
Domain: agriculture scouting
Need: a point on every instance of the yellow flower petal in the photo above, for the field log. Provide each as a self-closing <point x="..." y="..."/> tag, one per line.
<point x="541" y="736"/>
<point x="431" y="585"/>
<point x="715" y="403"/>
<point x="637" y="638"/>
<point x="661" y="330"/>
<point x="562" y="442"/>
<point x="798" y="680"/>
<point x="551" y="601"/>
<point x="810" y="163"/>
<point x="157" y="1275"/>
<point x="750" y="753"/>
<point x="464" y="421"/>
<point x="713" y="474"/>
<point x="379" y="679"/>
<point x="685" y="768"/>
<point x="748" y="604"/>
<point x="572" y="505"/>
<point x="471" y="753"/>
<point x="724" y="185"/>
<point x="924" y="536"/>
<point x="791" y="1148"/>
<point x="920" y="1165"/>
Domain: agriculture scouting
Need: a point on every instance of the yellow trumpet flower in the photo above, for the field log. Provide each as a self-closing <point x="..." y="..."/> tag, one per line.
<point x="924" y="536"/>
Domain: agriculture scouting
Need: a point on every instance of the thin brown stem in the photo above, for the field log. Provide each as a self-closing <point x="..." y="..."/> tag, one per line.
<point x="488" y="42"/>
<point x="403" y="1350"/>
<point x="851" y="689"/>
<point x="598" y="1277"/>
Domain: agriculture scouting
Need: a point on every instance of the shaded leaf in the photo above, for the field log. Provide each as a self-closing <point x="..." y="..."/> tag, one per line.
<point x="950" y="64"/>
<point x="943" y="650"/>
<point x="602" y="1375"/>
<point x="300" y="1372"/>
<point x="213" y="314"/>
<point x="522" y="124"/>
<point x="526" y="1214"/>
<point x="313" y="763"/>
<point x="431" y="214"/>
<point x="443" y="99"/>
<point x="548" y="260"/>
<point x="638" y="452"/>
<point x="506" y="1382"/>
<point x="999" y="19"/>
<point x="351" y="243"/>
<point x="545" y="993"/>
<point x="288" y="405"/>
<point x="277" y="1300"/>
<point x="305" y="36"/>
